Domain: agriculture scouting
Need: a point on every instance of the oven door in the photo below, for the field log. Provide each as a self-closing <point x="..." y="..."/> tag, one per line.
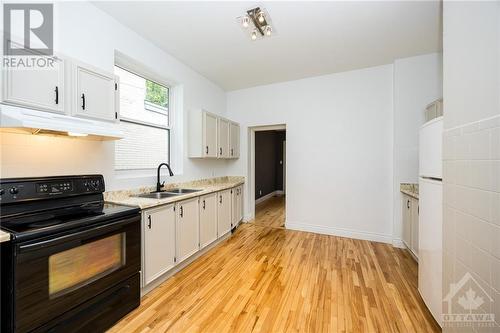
<point x="56" y="275"/>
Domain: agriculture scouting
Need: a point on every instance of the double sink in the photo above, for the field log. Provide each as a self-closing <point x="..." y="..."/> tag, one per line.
<point x="167" y="194"/>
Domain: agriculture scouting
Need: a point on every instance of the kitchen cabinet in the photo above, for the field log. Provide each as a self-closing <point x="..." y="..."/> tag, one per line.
<point x="223" y="138"/>
<point x="202" y="134"/>
<point x="410" y="211"/>
<point x="93" y="93"/>
<point x="187" y="228"/>
<point x="159" y="242"/>
<point x="208" y="219"/>
<point x="414" y="226"/>
<point x="236" y="205"/>
<point x="234" y="140"/>
<point x="223" y="212"/>
<point x="42" y="89"/>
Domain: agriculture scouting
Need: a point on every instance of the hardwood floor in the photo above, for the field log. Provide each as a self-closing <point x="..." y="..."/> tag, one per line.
<point x="275" y="280"/>
<point x="271" y="213"/>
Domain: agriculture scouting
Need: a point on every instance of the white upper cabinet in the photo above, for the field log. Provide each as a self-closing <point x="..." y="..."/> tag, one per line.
<point x="208" y="219"/>
<point x="36" y="89"/>
<point x="211" y="136"/>
<point x="187" y="228"/>
<point x="234" y="140"/>
<point x="159" y="242"/>
<point x="223" y="138"/>
<point x="94" y="93"/>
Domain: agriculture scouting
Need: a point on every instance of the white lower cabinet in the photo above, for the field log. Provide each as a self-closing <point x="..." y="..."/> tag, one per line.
<point x="159" y="242"/>
<point x="187" y="229"/>
<point x="236" y="205"/>
<point x="410" y="212"/>
<point x="208" y="219"/>
<point x="224" y="212"/>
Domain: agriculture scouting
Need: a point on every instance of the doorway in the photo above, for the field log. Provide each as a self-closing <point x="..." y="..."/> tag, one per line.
<point x="268" y="175"/>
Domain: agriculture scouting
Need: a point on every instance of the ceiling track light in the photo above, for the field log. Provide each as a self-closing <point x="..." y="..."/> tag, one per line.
<point x="259" y="20"/>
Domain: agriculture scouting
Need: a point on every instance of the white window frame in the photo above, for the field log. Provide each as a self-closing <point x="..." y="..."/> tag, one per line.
<point x="173" y="127"/>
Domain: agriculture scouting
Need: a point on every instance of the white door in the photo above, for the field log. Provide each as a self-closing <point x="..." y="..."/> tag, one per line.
<point x="95" y="93"/>
<point x="430" y="233"/>
<point x="406" y="210"/>
<point x="159" y="242"/>
<point x="223" y="212"/>
<point x="208" y="219"/>
<point x="187" y="228"/>
<point x="223" y="138"/>
<point x="38" y="89"/>
<point x="414" y="226"/>
<point x="209" y="135"/>
<point x="234" y="131"/>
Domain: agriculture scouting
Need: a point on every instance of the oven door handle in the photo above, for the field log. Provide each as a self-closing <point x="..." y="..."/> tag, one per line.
<point x="80" y="237"/>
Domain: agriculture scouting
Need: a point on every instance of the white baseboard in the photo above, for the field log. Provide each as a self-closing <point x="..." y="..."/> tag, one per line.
<point x="268" y="196"/>
<point x="341" y="232"/>
<point x="397" y="242"/>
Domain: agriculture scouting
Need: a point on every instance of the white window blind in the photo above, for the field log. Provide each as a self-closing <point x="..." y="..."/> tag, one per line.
<point x="144" y="120"/>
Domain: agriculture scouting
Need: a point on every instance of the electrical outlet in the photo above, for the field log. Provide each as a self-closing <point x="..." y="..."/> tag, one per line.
<point x="260" y="192"/>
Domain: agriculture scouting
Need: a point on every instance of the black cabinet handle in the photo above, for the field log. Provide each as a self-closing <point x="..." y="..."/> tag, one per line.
<point x="182" y="212"/>
<point x="83" y="101"/>
<point x="149" y="221"/>
<point x="232" y="152"/>
<point x="57" y="94"/>
<point x="408" y="204"/>
<point x="220" y="149"/>
<point x="206" y="149"/>
<point x="220" y="199"/>
<point x="203" y="203"/>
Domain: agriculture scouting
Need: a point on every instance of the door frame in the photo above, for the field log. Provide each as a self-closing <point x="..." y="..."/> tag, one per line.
<point x="251" y="163"/>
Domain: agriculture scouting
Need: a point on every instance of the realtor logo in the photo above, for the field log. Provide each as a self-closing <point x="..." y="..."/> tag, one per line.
<point x="28" y="29"/>
<point x="466" y="303"/>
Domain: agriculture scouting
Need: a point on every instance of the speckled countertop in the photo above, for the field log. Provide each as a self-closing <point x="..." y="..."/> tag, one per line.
<point x="126" y="197"/>
<point x="409" y="189"/>
<point x="4" y="236"/>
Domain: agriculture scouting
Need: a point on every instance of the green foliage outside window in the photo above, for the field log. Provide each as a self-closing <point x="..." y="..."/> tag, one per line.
<point x="156" y="94"/>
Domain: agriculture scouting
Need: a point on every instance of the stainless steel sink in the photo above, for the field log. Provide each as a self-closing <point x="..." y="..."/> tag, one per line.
<point x="157" y="195"/>
<point x="182" y="191"/>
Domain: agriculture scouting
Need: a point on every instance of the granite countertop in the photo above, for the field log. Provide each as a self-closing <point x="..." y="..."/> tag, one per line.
<point x="126" y="197"/>
<point x="409" y="189"/>
<point x="4" y="236"/>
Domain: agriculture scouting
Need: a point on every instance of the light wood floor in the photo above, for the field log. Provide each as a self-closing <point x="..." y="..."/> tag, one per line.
<point x="266" y="279"/>
<point x="271" y="213"/>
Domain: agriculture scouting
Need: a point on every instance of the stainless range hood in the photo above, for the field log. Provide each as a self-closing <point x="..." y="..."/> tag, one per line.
<point x="18" y="119"/>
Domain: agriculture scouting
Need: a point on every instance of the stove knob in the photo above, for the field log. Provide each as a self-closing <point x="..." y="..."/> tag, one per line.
<point x="13" y="191"/>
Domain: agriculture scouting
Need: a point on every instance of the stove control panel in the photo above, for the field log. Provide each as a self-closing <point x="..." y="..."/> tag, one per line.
<point x="22" y="189"/>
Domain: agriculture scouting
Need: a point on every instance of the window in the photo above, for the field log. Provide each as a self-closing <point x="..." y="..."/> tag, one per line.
<point x="145" y="121"/>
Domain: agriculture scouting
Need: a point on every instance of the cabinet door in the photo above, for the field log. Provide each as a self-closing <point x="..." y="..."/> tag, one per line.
<point x="38" y="89"/>
<point x="209" y="135"/>
<point x="159" y="242"/>
<point x="187" y="229"/>
<point x="234" y="131"/>
<point x="223" y="138"/>
<point x="223" y="212"/>
<point x="94" y="93"/>
<point x="208" y="219"/>
<point x="234" y="207"/>
<point x="406" y="210"/>
<point x="414" y="225"/>
<point x="240" y="203"/>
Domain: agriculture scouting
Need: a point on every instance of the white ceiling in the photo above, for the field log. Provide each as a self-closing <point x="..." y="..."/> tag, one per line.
<point x="313" y="38"/>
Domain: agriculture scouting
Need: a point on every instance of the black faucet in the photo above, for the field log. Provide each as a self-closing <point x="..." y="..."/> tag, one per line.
<point x="158" y="184"/>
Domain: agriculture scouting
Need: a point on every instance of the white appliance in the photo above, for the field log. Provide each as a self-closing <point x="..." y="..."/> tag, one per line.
<point x="33" y="121"/>
<point x="431" y="216"/>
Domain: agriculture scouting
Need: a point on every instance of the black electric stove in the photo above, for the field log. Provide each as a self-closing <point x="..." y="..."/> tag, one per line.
<point x="73" y="261"/>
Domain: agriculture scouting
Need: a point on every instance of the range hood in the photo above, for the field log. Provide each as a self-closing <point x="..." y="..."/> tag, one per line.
<point x="38" y="122"/>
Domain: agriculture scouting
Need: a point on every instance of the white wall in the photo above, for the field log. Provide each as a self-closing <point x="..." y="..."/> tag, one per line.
<point x="339" y="148"/>
<point x="471" y="149"/>
<point x="417" y="82"/>
<point x="84" y="32"/>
